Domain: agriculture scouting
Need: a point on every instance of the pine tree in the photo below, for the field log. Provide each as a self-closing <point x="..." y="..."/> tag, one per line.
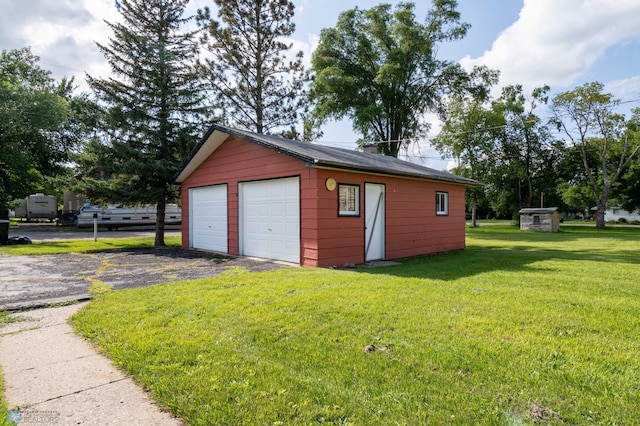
<point x="259" y="88"/>
<point x="154" y="106"/>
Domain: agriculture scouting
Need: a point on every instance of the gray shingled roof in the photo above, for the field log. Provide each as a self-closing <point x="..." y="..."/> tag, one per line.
<point x="538" y="210"/>
<point x="315" y="155"/>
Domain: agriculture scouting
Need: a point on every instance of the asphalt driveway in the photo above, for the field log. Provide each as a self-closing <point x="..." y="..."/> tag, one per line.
<point x="27" y="281"/>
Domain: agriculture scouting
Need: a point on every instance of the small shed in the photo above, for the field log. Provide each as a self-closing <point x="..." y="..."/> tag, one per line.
<point x="259" y="195"/>
<point x="540" y="219"/>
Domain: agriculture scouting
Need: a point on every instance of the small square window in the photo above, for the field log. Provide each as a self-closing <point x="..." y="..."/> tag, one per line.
<point x="442" y="203"/>
<point x="536" y="220"/>
<point x="348" y="200"/>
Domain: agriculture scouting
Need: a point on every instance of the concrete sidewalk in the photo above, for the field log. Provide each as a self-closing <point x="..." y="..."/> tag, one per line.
<point x="52" y="376"/>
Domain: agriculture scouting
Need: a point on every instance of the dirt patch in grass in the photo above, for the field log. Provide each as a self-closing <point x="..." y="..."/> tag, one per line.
<point x="540" y="414"/>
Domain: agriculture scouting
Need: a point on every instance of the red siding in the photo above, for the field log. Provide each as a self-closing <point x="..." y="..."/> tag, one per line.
<point x="412" y="227"/>
<point x="239" y="161"/>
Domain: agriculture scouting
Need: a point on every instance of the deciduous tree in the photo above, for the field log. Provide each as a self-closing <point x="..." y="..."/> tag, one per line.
<point x="379" y="67"/>
<point x="468" y="135"/>
<point x="33" y="114"/>
<point x="504" y="145"/>
<point x="627" y="189"/>
<point x="587" y="117"/>
<point x="525" y="153"/>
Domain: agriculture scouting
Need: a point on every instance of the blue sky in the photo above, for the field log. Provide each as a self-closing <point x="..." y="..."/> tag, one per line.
<point x="562" y="43"/>
<point x="532" y="42"/>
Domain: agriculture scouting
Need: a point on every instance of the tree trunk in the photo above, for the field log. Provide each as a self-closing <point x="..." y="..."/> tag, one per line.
<point x="601" y="207"/>
<point x="474" y="214"/>
<point x="601" y="202"/>
<point x="160" y="213"/>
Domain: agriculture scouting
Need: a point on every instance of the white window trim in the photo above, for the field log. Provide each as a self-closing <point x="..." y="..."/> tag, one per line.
<point x="445" y="200"/>
<point x="356" y="211"/>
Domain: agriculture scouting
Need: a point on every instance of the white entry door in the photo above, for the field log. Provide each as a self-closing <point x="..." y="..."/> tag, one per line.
<point x="374" y="248"/>
<point x="208" y="218"/>
<point x="270" y="219"/>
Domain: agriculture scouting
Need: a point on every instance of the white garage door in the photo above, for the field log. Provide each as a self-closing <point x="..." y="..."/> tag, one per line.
<point x="208" y="218"/>
<point x="270" y="219"/>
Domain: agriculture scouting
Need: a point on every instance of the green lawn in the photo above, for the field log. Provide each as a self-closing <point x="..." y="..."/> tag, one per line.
<point x="3" y="406"/>
<point x="520" y="328"/>
<point x="5" y="318"/>
<point x="85" y="246"/>
<point x="71" y="246"/>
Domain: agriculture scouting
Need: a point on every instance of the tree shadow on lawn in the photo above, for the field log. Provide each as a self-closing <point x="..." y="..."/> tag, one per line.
<point x="566" y="234"/>
<point x="173" y="253"/>
<point x="479" y="259"/>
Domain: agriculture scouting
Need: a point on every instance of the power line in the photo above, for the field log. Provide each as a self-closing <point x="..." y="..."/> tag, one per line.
<point x="62" y="66"/>
<point x="484" y="129"/>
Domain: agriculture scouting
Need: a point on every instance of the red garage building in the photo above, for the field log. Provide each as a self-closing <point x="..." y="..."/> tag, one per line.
<point x="256" y="195"/>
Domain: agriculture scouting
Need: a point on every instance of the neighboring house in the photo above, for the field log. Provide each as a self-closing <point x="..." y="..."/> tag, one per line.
<point x="542" y="219"/>
<point x="256" y="195"/>
<point x="616" y="213"/>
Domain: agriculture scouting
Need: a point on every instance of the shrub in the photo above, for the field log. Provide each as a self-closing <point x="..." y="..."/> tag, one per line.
<point x="622" y="220"/>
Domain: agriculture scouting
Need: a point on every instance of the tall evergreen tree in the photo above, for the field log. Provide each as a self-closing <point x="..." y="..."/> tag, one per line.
<point x="153" y="106"/>
<point x="259" y="82"/>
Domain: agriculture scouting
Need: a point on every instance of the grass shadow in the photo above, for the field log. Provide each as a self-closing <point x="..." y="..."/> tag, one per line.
<point x="505" y="250"/>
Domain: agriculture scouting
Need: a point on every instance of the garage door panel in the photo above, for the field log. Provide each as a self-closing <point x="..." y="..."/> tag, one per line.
<point x="271" y="219"/>
<point x="208" y="218"/>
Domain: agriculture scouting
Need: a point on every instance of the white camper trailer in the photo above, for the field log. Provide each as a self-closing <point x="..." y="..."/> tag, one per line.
<point x="37" y="206"/>
<point x="114" y="217"/>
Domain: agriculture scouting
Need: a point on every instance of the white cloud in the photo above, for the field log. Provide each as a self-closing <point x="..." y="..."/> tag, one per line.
<point x="62" y="33"/>
<point x="627" y="89"/>
<point x="556" y="42"/>
<point x="306" y="47"/>
<point x="300" y="7"/>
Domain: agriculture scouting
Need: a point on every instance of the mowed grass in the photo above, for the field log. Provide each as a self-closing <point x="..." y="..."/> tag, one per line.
<point x="519" y="328"/>
<point x="84" y="246"/>
<point x="5" y="318"/>
<point x="3" y="405"/>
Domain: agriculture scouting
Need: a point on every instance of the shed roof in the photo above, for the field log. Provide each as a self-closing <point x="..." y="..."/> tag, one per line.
<point x="538" y="210"/>
<point x="314" y="155"/>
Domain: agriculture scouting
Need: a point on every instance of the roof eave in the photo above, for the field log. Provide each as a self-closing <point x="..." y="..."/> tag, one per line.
<point x="335" y="165"/>
<point x="211" y="143"/>
<point x="177" y="178"/>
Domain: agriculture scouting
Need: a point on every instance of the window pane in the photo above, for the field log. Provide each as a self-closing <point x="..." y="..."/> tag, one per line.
<point x="442" y="203"/>
<point x="348" y="200"/>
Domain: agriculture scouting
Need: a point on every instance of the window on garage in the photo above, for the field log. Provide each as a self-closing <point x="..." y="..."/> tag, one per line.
<point x="348" y="200"/>
<point x="442" y="203"/>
